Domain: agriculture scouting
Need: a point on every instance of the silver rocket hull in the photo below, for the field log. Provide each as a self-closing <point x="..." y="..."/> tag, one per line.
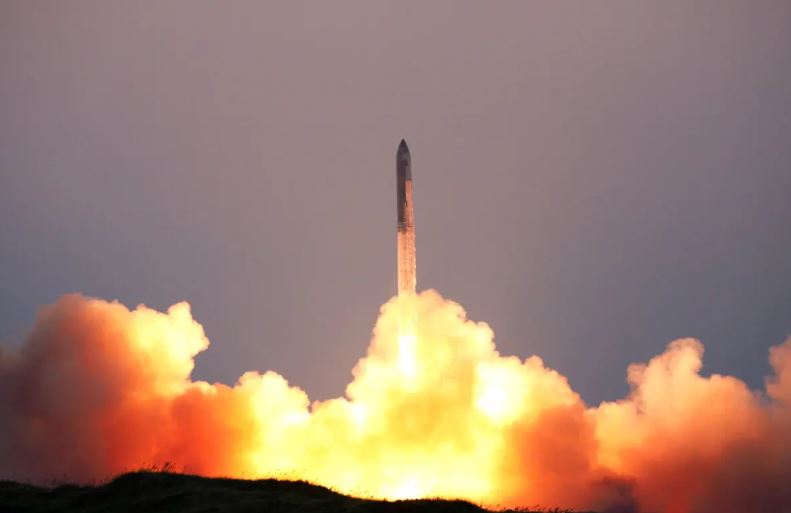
<point x="406" y="222"/>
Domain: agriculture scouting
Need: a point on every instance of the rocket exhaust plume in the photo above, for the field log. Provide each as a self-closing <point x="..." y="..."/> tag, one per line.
<point x="432" y="410"/>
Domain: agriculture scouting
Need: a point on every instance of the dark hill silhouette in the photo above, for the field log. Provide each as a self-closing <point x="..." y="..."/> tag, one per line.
<point x="155" y="492"/>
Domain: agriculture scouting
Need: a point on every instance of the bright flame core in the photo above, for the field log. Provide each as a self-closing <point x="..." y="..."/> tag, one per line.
<point x="407" y="359"/>
<point x="433" y="410"/>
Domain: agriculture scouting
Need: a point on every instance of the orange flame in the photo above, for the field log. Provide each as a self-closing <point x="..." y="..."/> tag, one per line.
<point x="433" y="410"/>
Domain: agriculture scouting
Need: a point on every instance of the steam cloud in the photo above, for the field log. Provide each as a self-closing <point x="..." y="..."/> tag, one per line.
<point x="98" y="389"/>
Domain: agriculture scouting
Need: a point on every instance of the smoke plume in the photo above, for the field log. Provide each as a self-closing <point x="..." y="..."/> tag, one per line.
<point x="98" y="389"/>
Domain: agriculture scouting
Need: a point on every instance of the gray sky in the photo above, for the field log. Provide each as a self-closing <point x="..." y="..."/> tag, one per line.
<point x="593" y="179"/>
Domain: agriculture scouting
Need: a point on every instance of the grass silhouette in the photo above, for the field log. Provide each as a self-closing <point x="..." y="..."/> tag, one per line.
<point x="157" y="491"/>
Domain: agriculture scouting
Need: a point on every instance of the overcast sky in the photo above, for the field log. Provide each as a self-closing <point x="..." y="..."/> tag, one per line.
<point x="593" y="179"/>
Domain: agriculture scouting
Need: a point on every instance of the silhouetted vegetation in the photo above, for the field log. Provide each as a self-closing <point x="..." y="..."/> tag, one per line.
<point x="179" y="493"/>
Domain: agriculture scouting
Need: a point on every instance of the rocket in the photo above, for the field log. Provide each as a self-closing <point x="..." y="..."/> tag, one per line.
<point x="406" y="221"/>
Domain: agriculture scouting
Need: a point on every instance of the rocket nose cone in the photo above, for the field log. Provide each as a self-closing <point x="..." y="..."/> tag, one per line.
<point x="403" y="159"/>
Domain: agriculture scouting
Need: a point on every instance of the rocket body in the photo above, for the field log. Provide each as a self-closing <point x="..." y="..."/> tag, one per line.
<point x="406" y="221"/>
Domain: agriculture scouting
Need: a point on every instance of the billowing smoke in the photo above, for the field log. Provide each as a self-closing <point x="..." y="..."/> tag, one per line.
<point x="98" y="389"/>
